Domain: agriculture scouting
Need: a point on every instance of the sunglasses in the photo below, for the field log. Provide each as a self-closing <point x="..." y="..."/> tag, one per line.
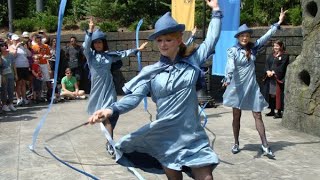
<point x="68" y="72"/>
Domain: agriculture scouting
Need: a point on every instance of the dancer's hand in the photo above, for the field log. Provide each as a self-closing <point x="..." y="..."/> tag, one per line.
<point x="225" y="84"/>
<point x="269" y="73"/>
<point x="213" y="4"/>
<point x="143" y="45"/>
<point x="91" y="24"/>
<point x="282" y="15"/>
<point x="100" y="116"/>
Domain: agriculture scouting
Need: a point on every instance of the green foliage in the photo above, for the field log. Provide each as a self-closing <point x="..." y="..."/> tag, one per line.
<point x="52" y="7"/>
<point x="199" y="14"/>
<point x="108" y="26"/>
<point x="261" y="13"/>
<point x="295" y="16"/>
<point x="69" y="23"/>
<point x="3" y="12"/>
<point x="46" y="21"/>
<point x="125" y="12"/>
<point x="24" y="24"/>
<point x="79" y="9"/>
<point x="145" y="25"/>
<point x="245" y="17"/>
<point x="84" y="25"/>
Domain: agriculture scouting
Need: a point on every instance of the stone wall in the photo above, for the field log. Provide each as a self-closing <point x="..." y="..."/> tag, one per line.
<point x="292" y="37"/>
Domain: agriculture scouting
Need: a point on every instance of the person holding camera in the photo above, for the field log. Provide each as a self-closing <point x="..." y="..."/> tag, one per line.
<point x="23" y="68"/>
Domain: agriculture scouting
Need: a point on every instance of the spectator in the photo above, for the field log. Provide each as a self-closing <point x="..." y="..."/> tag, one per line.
<point x="243" y="92"/>
<point x="7" y="79"/>
<point x="37" y="79"/>
<point x="74" y="57"/>
<point x="70" y="88"/>
<point x="22" y="66"/>
<point x="275" y="69"/>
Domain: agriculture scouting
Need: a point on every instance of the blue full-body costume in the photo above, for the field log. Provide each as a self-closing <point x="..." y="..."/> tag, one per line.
<point x="103" y="91"/>
<point x="243" y="91"/>
<point x="176" y="138"/>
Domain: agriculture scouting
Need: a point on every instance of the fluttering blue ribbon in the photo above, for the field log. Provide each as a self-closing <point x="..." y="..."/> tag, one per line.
<point x="44" y="117"/>
<point x="145" y="102"/>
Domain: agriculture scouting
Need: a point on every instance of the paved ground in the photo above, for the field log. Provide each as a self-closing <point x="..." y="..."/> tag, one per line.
<point x="297" y="154"/>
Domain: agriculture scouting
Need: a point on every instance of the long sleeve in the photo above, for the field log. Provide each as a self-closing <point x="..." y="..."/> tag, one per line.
<point x="207" y="47"/>
<point x="268" y="63"/>
<point x="230" y="66"/>
<point x="87" y="45"/>
<point x="263" y="39"/>
<point x="281" y="67"/>
<point x="118" y="55"/>
<point x="130" y="101"/>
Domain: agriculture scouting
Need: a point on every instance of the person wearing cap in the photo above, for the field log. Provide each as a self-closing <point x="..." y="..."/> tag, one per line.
<point x="175" y="142"/>
<point x="243" y="92"/>
<point x="99" y="59"/>
<point x="25" y="34"/>
<point x="22" y="66"/>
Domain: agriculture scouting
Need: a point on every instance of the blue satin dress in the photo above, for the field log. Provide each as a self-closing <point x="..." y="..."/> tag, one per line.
<point x="243" y="92"/>
<point x="176" y="138"/>
<point x="102" y="93"/>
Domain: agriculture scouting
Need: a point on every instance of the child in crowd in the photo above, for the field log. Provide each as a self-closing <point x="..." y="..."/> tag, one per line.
<point x="70" y="87"/>
<point x="37" y="78"/>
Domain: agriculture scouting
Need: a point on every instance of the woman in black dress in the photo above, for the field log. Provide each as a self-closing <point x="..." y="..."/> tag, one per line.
<point x="275" y="71"/>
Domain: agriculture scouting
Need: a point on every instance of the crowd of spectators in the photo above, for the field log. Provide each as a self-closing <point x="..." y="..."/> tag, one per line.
<point x="27" y="65"/>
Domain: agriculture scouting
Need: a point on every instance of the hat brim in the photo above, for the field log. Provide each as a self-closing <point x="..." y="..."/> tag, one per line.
<point x="177" y="28"/>
<point x="245" y="31"/>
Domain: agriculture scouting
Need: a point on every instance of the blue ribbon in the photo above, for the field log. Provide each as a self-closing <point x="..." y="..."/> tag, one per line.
<point x="82" y="172"/>
<point x="145" y="102"/>
<point x="44" y="117"/>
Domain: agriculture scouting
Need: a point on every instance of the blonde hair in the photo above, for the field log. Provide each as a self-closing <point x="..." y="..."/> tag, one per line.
<point x="184" y="50"/>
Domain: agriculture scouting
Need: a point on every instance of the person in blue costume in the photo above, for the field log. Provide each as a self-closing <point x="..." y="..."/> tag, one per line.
<point x="243" y="92"/>
<point x="99" y="60"/>
<point x="175" y="142"/>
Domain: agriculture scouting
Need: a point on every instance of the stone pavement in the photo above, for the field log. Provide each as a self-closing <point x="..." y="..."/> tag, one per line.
<point x="297" y="154"/>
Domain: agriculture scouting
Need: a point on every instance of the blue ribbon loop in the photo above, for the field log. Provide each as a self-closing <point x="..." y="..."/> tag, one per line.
<point x="145" y="102"/>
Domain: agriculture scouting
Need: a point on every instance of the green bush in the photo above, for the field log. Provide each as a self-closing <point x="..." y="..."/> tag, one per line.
<point x="84" y="25"/>
<point x="108" y="26"/>
<point x="246" y="18"/>
<point x="69" y="23"/>
<point x="145" y="25"/>
<point x="295" y="16"/>
<point x="24" y="24"/>
<point x="50" y="23"/>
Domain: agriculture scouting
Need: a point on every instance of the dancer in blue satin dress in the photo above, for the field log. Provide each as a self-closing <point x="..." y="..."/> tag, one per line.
<point x="243" y="92"/>
<point x="102" y="93"/>
<point x="175" y="141"/>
